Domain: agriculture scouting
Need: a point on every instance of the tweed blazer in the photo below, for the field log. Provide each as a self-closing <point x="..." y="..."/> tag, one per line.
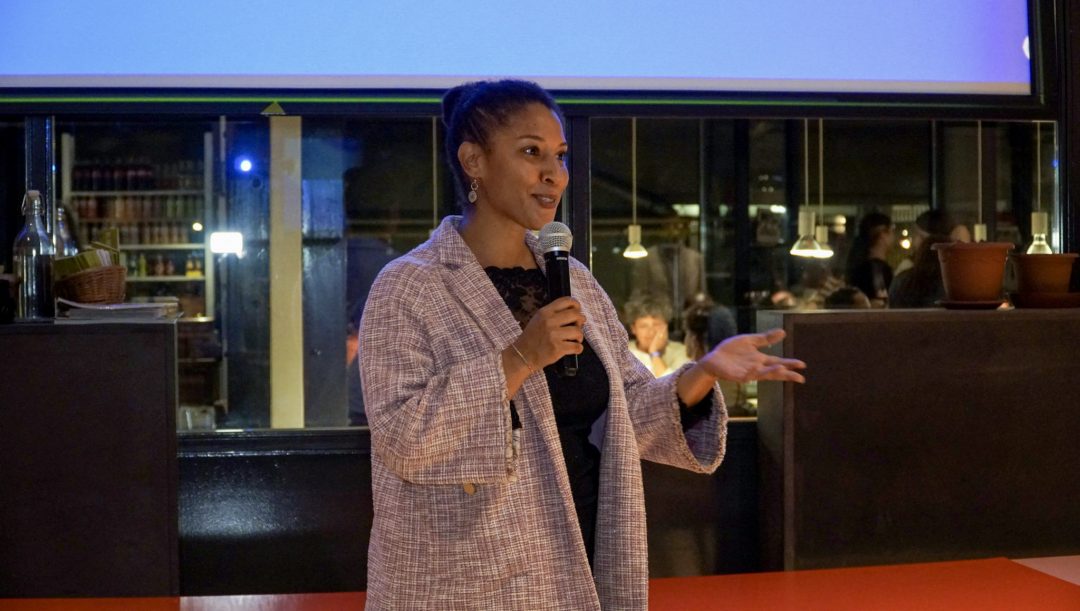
<point x="467" y="518"/>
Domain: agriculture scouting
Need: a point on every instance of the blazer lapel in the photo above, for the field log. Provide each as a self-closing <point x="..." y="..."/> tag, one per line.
<point x="467" y="281"/>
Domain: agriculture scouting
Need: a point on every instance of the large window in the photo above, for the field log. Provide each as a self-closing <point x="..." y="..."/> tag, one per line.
<point x="323" y="202"/>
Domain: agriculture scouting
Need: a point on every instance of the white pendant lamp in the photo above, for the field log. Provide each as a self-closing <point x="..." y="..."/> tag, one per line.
<point x="1040" y="221"/>
<point x="813" y="239"/>
<point x="634" y="250"/>
<point x="979" y="233"/>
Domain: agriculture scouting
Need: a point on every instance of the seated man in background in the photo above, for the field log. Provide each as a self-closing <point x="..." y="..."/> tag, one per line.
<point x="648" y="315"/>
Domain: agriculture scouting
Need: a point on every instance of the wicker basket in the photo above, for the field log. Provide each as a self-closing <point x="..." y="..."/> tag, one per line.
<point x="97" y="285"/>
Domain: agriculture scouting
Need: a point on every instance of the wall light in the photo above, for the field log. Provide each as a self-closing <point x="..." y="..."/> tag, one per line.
<point x="227" y="242"/>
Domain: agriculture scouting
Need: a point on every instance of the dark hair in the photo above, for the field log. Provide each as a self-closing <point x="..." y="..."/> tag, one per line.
<point x="923" y="285"/>
<point x="647" y="304"/>
<point x="846" y="297"/>
<point x="936" y="222"/>
<point x="871" y="227"/>
<point x="696" y="328"/>
<point x="472" y="111"/>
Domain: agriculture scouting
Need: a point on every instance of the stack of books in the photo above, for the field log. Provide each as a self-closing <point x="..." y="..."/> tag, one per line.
<point x="167" y="309"/>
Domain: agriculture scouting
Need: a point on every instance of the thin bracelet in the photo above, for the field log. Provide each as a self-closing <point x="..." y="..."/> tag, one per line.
<point x="528" y="365"/>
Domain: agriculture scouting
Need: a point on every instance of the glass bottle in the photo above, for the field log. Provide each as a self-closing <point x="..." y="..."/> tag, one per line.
<point x="65" y="242"/>
<point x="33" y="257"/>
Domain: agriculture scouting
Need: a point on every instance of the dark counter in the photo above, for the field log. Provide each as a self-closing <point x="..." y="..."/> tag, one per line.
<point x="279" y="511"/>
<point x="88" y="471"/>
<point x="922" y="435"/>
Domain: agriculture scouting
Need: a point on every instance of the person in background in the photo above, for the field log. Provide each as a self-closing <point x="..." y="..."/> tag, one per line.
<point x="649" y="315"/>
<point x="365" y="256"/>
<point x="497" y="482"/>
<point x="932" y="223"/>
<point x="817" y="283"/>
<point x="705" y="325"/>
<point x="918" y="284"/>
<point x="867" y="268"/>
<point x="847" y="298"/>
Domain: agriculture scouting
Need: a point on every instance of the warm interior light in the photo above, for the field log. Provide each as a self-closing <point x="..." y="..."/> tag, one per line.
<point x="196" y="226"/>
<point x="821" y="235"/>
<point x="634" y="250"/>
<point x="1040" y="225"/>
<point x="807" y="245"/>
<point x="688" y="210"/>
<point x="227" y="242"/>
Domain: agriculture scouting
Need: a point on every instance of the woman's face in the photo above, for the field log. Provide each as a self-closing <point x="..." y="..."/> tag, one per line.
<point x="522" y="172"/>
<point x="645" y="329"/>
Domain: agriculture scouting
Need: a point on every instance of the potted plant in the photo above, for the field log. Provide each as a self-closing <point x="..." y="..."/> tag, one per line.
<point x="973" y="272"/>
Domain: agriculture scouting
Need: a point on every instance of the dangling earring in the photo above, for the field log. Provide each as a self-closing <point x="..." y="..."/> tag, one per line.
<point x="473" y="186"/>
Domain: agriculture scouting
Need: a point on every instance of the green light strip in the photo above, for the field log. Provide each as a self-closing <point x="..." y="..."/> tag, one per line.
<point x="728" y="102"/>
<point x="211" y="100"/>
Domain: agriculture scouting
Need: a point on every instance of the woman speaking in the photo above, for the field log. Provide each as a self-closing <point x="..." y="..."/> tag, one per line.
<point x="497" y="482"/>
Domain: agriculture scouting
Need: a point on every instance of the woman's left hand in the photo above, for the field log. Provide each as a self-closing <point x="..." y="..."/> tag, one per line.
<point x="739" y="359"/>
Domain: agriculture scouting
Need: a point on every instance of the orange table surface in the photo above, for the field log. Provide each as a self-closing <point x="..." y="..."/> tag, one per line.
<point x="985" y="585"/>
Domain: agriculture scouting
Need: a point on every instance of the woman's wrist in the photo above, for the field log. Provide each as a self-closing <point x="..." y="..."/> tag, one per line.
<point x="524" y="360"/>
<point x="694" y="383"/>
<point x="656" y="354"/>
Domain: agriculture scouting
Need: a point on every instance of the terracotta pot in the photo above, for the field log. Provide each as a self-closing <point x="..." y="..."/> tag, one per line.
<point x="973" y="271"/>
<point x="1044" y="273"/>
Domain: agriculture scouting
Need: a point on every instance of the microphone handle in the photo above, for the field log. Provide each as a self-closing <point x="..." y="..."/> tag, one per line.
<point x="557" y="265"/>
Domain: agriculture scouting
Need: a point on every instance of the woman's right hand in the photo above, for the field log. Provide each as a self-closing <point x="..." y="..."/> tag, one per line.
<point x="659" y="340"/>
<point x="554" y="331"/>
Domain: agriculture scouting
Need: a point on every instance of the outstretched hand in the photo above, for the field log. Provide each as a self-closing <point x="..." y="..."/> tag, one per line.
<point x="739" y="359"/>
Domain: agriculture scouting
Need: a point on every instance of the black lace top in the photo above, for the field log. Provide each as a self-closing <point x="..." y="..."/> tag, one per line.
<point x="578" y="401"/>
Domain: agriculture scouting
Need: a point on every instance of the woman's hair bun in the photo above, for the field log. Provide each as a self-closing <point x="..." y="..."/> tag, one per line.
<point x="451" y="99"/>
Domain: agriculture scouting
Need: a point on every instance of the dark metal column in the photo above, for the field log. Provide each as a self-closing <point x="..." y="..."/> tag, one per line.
<point x="41" y="163"/>
<point x="744" y="307"/>
<point x="577" y="205"/>
<point x="1068" y="75"/>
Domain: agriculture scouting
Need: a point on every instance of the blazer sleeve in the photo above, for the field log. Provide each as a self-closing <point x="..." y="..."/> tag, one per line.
<point x="654" y="407"/>
<point x="431" y="422"/>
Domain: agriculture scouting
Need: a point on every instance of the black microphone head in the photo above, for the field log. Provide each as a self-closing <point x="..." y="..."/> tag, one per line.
<point x="555" y="236"/>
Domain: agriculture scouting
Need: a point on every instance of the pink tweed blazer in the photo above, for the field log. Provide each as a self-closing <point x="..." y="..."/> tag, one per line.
<point x="466" y="519"/>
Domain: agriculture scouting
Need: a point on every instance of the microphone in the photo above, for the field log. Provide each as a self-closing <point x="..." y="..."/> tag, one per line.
<point x="555" y="241"/>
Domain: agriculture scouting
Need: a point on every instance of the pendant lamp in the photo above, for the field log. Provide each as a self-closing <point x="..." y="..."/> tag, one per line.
<point x="1040" y="221"/>
<point x="979" y="231"/>
<point x="634" y="250"/>
<point x="813" y="238"/>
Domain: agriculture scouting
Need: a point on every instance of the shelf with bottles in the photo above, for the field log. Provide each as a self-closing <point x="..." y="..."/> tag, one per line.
<point x="134" y="206"/>
<point x="155" y="186"/>
<point x="147" y="235"/>
<point x="138" y="174"/>
<point x="163" y="265"/>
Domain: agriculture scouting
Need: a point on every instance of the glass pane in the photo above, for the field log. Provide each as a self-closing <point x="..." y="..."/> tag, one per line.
<point x="150" y="185"/>
<point x="770" y="220"/>
<point x="377" y="188"/>
<point x="677" y="299"/>
<point x="245" y="278"/>
<point x="668" y="209"/>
